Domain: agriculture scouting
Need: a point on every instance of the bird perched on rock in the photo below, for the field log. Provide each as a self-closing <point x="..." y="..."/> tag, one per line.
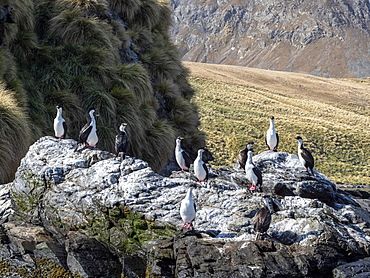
<point x="88" y="135"/>
<point x="262" y="219"/>
<point x="272" y="137"/>
<point x="305" y="157"/>
<point x="182" y="157"/>
<point x="200" y="168"/>
<point x="243" y="155"/>
<point x="122" y="142"/>
<point x="252" y="173"/>
<point x="60" y="126"/>
<point x="188" y="209"/>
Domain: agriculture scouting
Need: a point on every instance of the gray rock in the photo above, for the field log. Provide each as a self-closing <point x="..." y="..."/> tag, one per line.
<point x="357" y="269"/>
<point x="90" y="258"/>
<point x="6" y="209"/>
<point x="93" y="210"/>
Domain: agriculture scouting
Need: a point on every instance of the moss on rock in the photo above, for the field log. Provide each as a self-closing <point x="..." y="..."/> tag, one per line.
<point x="44" y="268"/>
<point x="126" y="230"/>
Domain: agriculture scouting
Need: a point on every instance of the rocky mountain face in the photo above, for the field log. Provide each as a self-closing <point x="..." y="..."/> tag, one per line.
<point x="87" y="214"/>
<point x="325" y="38"/>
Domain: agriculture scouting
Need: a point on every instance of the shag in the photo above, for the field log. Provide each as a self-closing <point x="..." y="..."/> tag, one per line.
<point x="243" y="155"/>
<point x="272" y="137"/>
<point x="88" y="134"/>
<point x="188" y="209"/>
<point x="122" y="142"/>
<point x="252" y="173"/>
<point x="60" y="126"/>
<point x="262" y="219"/>
<point x="200" y="168"/>
<point x="182" y="157"/>
<point x="305" y="157"/>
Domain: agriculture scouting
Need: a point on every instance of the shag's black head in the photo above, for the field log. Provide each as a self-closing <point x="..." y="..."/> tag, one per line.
<point x="192" y="185"/>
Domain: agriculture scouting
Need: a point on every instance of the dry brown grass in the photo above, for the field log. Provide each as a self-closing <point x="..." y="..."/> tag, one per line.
<point x="331" y="114"/>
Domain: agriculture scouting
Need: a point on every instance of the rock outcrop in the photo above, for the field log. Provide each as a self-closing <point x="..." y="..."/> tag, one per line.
<point x="277" y="35"/>
<point x="86" y="213"/>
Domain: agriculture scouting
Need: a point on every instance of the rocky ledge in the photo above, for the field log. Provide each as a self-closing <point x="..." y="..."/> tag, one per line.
<point x="85" y="213"/>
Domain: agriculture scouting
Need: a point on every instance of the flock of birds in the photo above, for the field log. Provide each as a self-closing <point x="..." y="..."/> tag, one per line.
<point x="88" y="135"/>
<point x="262" y="218"/>
<point x="89" y="138"/>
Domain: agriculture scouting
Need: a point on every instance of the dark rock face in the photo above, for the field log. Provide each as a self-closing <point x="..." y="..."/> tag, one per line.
<point x="204" y="257"/>
<point x="358" y="269"/>
<point x="92" y="215"/>
<point x="90" y="258"/>
<point x="281" y="35"/>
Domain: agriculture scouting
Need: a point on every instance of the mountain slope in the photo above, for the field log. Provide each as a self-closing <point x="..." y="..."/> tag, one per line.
<point x="323" y="38"/>
<point x="331" y="116"/>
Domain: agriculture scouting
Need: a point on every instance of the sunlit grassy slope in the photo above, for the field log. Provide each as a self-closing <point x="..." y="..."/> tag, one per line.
<point x="331" y="115"/>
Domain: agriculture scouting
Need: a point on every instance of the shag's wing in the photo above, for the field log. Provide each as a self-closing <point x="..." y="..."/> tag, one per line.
<point x="266" y="142"/>
<point x="122" y="142"/>
<point x="187" y="158"/>
<point x="307" y="156"/>
<point x="84" y="133"/>
<point x="205" y="169"/>
<point x="65" y="128"/>
<point x="258" y="173"/>
<point x="277" y="140"/>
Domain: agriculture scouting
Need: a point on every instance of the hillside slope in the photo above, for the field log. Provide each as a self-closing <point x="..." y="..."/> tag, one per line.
<point x="330" y="114"/>
<point x="115" y="56"/>
<point x="323" y="38"/>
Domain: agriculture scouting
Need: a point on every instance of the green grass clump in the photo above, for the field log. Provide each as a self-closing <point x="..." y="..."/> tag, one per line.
<point x="337" y="135"/>
<point x="13" y="125"/>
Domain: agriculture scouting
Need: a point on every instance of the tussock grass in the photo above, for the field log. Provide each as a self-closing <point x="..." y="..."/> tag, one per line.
<point x="22" y="14"/>
<point x="13" y="125"/>
<point x="86" y="6"/>
<point x="114" y="55"/>
<point x="155" y="138"/>
<point x="24" y="45"/>
<point x="126" y="9"/>
<point x="71" y="26"/>
<point x="165" y="15"/>
<point x="135" y="78"/>
<point x="233" y="113"/>
<point x="148" y="14"/>
<point x="8" y="68"/>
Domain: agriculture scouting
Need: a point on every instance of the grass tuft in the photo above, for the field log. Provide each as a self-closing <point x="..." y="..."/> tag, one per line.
<point x="13" y="125"/>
